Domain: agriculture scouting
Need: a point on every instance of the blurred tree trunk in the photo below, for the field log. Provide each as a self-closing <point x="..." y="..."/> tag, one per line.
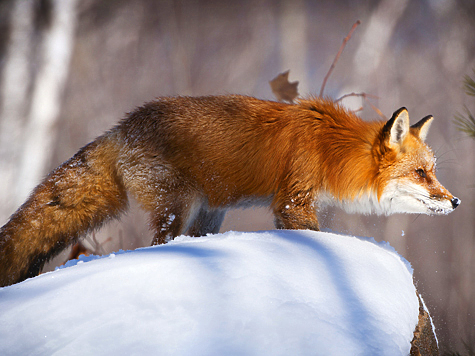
<point x="376" y="37"/>
<point x="14" y="92"/>
<point x="54" y="59"/>
<point x="369" y="55"/>
<point x="293" y="42"/>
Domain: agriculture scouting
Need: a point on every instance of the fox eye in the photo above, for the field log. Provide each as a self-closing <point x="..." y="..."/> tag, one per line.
<point x="421" y="173"/>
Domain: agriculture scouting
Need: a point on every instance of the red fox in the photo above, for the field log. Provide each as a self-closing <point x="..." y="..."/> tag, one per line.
<point x="188" y="159"/>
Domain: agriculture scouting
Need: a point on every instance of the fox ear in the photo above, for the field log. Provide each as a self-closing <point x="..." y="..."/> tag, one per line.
<point x="397" y="127"/>
<point x="421" y="128"/>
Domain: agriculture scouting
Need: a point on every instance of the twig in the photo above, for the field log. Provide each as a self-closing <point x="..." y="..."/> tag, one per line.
<point x="345" y="40"/>
<point x="376" y="110"/>
<point x="365" y="98"/>
<point x="364" y="95"/>
<point x="97" y="247"/>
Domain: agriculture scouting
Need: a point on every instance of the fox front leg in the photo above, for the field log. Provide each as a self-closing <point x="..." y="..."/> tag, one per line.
<point x="296" y="214"/>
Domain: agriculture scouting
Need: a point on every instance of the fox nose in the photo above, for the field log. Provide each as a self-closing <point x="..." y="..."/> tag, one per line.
<point x="455" y="202"/>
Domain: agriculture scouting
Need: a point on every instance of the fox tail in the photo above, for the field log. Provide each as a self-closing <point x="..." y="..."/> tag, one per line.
<point x="76" y="197"/>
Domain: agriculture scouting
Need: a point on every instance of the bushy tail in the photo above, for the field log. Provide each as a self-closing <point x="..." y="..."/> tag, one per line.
<point x="76" y="197"/>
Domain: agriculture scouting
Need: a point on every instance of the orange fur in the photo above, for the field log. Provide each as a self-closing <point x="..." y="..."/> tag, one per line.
<point x="186" y="160"/>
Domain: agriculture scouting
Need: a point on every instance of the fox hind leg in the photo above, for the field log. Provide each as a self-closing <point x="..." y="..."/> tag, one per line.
<point x="171" y="200"/>
<point x="184" y="214"/>
<point x="171" y="218"/>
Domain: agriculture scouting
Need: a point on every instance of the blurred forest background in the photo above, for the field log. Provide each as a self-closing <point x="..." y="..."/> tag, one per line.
<point x="70" y="69"/>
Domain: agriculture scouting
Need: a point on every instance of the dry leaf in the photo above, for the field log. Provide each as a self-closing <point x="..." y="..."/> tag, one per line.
<point x="283" y="89"/>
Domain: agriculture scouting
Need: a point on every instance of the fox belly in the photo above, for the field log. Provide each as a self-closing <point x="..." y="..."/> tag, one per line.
<point x="187" y="160"/>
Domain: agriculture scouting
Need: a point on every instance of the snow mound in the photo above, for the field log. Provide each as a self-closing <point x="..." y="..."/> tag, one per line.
<point x="263" y="293"/>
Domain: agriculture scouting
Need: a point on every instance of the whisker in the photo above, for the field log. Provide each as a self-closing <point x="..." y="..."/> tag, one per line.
<point x="448" y="160"/>
<point x="444" y="153"/>
<point x="448" y="168"/>
<point x="436" y="152"/>
<point x="417" y="217"/>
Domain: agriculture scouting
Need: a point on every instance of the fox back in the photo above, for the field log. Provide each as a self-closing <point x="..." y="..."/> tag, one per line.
<point x="187" y="160"/>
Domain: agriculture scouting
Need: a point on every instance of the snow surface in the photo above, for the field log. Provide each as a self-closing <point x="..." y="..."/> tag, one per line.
<point x="263" y="293"/>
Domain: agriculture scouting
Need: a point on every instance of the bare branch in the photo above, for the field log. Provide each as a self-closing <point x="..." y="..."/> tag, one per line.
<point x="364" y="95"/>
<point x="365" y="98"/>
<point x="345" y="40"/>
<point x="376" y="110"/>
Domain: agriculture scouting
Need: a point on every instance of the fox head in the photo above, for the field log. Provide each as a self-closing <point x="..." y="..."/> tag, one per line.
<point x="407" y="180"/>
